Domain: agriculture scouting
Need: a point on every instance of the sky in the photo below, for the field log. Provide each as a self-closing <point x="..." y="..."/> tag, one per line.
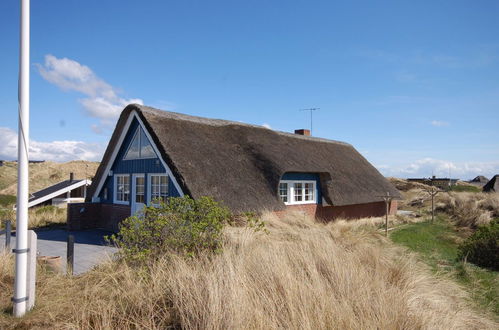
<point x="412" y="85"/>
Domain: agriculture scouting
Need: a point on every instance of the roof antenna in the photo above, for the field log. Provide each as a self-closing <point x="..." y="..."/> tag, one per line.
<point x="311" y="112"/>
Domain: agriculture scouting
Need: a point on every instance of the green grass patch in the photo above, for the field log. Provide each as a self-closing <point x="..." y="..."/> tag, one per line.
<point x="7" y="200"/>
<point x="457" y="188"/>
<point x="437" y="245"/>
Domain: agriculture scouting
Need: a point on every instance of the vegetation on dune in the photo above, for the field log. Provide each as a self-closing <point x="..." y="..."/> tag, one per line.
<point x="297" y="273"/>
<point x="482" y="247"/>
<point x="7" y="200"/>
<point x="42" y="175"/>
<point x="41" y="216"/>
<point x="438" y="244"/>
<point x="465" y="188"/>
<point x="180" y="225"/>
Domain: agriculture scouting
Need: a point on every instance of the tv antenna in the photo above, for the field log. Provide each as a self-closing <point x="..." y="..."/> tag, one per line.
<point x="311" y="116"/>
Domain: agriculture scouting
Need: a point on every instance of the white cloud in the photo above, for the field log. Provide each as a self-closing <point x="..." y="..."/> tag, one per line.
<point x="428" y="166"/>
<point x="266" y="125"/>
<point x="58" y="151"/>
<point x="439" y="123"/>
<point x="102" y="100"/>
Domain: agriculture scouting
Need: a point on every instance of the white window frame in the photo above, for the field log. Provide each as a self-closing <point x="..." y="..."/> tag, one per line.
<point x="115" y="190"/>
<point x="291" y="192"/>
<point x="149" y="185"/>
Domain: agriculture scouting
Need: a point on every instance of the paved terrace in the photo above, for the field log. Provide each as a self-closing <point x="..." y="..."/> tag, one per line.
<point x="90" y="248"/>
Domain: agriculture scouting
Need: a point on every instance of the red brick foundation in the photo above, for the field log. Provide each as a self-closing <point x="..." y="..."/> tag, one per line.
<point x="108" y="216"/>
<point x="356" y="211"/>
<point x="96" y="215"/>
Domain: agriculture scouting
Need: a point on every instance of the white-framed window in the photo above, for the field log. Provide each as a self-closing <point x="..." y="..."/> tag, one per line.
<point x="121" y="188"/>
<point x="140" y="147"/>
<point x="283" y="191"/>
<point x="158" y="187"/>
<point x="297" y="192"/>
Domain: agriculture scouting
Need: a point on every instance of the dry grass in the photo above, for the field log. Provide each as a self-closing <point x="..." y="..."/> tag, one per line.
<point x="302" y="274"/>
<point x="42" y="175"/>
<point x="38" y="216"/>
<point x="469" y="209"/>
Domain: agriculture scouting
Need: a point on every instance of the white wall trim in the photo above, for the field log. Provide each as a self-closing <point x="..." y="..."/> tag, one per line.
<point x="113" y="157"/>
<point x="118" y="146"/>
<point x="156" y="150"/>
<point x="59" y="192"/>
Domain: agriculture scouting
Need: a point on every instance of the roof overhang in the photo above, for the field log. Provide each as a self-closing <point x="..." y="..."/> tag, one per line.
<point x="56" y="193"/>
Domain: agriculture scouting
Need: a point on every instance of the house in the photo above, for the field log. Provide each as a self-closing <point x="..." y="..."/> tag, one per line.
<point x="442" y="183"/>
<point x="492" y="185"/>
<point x="479" y="181"/>
<point x="157" y="154"/>
<point x="60" y="194"/>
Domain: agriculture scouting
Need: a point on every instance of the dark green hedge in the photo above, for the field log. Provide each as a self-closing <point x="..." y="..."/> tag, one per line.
<point x="482" y="248"/>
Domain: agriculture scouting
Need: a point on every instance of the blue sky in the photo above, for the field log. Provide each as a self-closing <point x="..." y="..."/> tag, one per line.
<point x="413" y="85"/>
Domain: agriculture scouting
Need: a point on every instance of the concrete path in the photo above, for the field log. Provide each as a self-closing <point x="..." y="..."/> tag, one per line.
<point x="90" y="248"/>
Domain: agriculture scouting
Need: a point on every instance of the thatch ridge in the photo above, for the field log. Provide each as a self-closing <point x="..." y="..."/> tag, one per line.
<point x="241" y="164"/>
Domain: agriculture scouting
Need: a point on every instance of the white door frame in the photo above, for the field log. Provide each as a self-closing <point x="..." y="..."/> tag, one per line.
<point x="134" y="206"/>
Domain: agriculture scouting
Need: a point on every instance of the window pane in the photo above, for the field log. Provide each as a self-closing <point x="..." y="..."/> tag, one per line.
<point x="146" y="150"/>
<point x="309" y="191"/>
<point x="298" y="192"/>
<point x="283" y="192"/>
<point x="133" y="150"/>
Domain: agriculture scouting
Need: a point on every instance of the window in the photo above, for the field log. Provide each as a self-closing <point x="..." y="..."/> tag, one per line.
<point x="297" y="192"/>
<point x="158" y="187"/>
<point x="309" y="191"/>
<point x="139" y="189"/>
<point x="140" y="147"/>
<point x="122" y="188"/>
<point x="283" y="191"/>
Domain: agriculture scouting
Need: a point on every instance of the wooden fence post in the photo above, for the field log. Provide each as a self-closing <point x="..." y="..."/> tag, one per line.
<point x="70" y="254"/>
<point x="8" y="233"/>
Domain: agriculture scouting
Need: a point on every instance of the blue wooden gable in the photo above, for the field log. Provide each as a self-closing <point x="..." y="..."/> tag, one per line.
<point x="133" y="166"/>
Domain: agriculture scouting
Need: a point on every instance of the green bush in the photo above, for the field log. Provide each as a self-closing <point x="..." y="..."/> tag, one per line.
<point x="482" y="247"/>
<point x="180" y="225"/>
<point x="7" y="200"/>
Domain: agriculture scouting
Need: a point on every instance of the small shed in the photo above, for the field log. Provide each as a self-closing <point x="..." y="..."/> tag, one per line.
<point x="62" y="193"/>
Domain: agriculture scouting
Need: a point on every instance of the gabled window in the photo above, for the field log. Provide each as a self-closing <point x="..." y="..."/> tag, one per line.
<point x="297" y="192"/>
<point x="140" y="147"/>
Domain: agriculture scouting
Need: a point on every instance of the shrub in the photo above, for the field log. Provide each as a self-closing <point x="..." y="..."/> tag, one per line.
<point x="465" y="209"/>
<point x="482" y="247"/>
<point x="180" y="225"/>
<point x="7" y="200"/>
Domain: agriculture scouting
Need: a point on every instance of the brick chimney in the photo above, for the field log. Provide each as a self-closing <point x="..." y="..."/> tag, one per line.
<point x="302" y="132"/>
<point x="71" y="177"/>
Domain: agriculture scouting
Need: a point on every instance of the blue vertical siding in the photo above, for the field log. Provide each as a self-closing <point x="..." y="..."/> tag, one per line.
<point x="309" y="177"/>
<point x="134" y="166"/>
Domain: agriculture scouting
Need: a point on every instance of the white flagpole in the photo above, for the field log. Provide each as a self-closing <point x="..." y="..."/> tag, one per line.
<point x="21" y="250"/>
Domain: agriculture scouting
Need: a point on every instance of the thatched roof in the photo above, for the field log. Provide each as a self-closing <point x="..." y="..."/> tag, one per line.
<point x="492" y="185"/>
<point x="241" y="165"/>
<point x="480" y="179"/>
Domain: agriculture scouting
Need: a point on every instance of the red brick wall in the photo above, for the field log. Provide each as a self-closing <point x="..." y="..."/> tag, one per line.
<point x="348" y="211"/>
<point x="96" y="215"/>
